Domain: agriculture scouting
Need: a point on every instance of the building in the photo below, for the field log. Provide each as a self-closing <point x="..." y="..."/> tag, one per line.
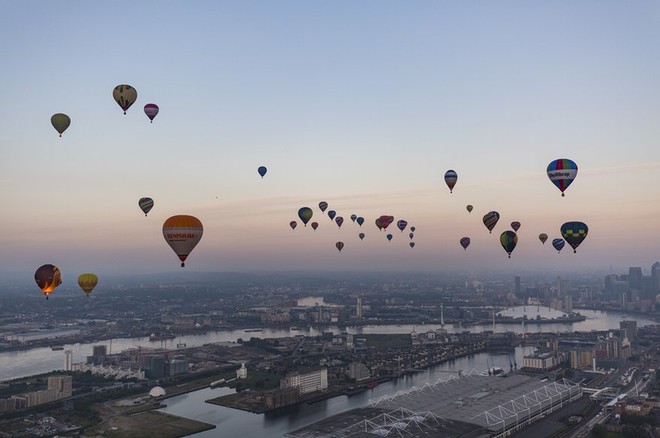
<point x="59" y="387"/>
<point x="281" y="397"/>
<point x="178" y="366"/>
<point x="241" y="373"/>
<point x="61" y="384"/>
<point x="358" y="371"/>
<point x="655" y="277"/>
<point x="358" y="310"/>
<point x="311" y="381"/>
<point x="517" y="289"/>
<point x="635" y="278"/>
<point x="156" y="366"/>
<point x="68" y="360"/>
<point x="541" y="361"/>
<point x="631" y="329"/>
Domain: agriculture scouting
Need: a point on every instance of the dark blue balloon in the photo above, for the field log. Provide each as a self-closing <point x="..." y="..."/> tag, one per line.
<point x="262" y="170"/>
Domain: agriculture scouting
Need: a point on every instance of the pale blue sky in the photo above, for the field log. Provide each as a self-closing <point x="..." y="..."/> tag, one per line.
<point x="362" y="104"/>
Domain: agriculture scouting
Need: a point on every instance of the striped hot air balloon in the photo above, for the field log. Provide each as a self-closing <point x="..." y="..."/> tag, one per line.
<point x="182" y="233"/>
<point x="562" y="172"/>
<point x="450" y="179"/>
<point x="490" y="220"/>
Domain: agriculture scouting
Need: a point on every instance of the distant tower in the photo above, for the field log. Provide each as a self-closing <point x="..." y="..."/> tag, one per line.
<point x="358" y="310"/>
<point x="442" y="315"/>
<point x="68" y="360"/>
<point x="517" y="290"/>
<point x="493" y="319"/>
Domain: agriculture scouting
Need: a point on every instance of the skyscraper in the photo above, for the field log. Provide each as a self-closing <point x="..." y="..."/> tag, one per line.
<point x="68" y="360"/>
<point x="655" y="277"/>
<point x="635" y="278"/>
<point x="358" y="310"/>
<point x="516" y="282"/>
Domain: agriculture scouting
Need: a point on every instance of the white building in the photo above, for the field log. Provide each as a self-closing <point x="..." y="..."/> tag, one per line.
<point x="311" y="381"/>
<point x="241" y="373"/>
<point x="540" y="362"/>
<point x="68" y="360"/>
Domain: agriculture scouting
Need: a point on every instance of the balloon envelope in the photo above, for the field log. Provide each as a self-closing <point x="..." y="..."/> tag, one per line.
<point x="48" y="277"/>
<point x="359" y="220"/>
<point x="411" y="235"/>
<point x="558" y="244"/>
<point x="490" y="220"/>
<point x="515" y="225"/>
<point x="361" y="236"/>
<point x="305" y="214"/>
<point x="574" y="233"/>
<point x="469" y="208"/>
<point x="332" y="214"/>
<point x="465" y="242"/>
<point x="339" y="246"/>
<point x="87" y="282"/>
<point x="323" y="205"/>
<point x="509" y="240"/>
<point x="401" y="225"/>
<point x="293" y="225"/>
<point x="562" y="172"/>
<point x="412" y="229"/>
<point x="151" y="110"/>
<point x="543" y="237"/>
<point x="450" y="178"/>
<point x="60" y="122"/>
<point x="353" y="217"/>
<point x="146" y="204"/>
<point x="262" y="170"/>
<point x="385" y="221"/>
<point x="339" y="220"/>
<point x="412" y="244"/>
<point x="125" y="96"/>
<point x="389" y="237"/>
<point x="315" y="225"/>
<point x="182" y="233"/>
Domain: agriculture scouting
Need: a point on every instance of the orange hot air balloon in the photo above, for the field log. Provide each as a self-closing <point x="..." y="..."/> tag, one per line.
<point x="87" y="282"/>
<point x="48" y="277"/>
<point x="183" y="233"/>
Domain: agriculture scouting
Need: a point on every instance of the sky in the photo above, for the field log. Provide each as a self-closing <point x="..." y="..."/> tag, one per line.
<point x="364" y="105"/>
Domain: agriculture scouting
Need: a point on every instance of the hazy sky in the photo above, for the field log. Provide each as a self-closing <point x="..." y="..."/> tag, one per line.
<point x="362" y="104"/>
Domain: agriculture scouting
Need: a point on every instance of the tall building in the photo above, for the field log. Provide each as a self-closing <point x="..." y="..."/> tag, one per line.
<point x="358" y="310"/>
<point x="631" y="329"/>
<point x="517" y="290"/>
<point x="62" y="385"/>
<point x="68" y="360"/>
<point x="655" y="277"/>
<point x="635" y="278"/>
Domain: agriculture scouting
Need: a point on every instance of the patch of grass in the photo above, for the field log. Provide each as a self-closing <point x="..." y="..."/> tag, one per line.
<point x="383" y="342"/>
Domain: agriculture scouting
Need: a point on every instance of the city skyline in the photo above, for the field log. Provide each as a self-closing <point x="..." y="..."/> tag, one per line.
<point x="364" y="106"/>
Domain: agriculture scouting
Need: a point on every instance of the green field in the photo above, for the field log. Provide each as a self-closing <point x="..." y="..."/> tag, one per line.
<point x="382" y="342"/>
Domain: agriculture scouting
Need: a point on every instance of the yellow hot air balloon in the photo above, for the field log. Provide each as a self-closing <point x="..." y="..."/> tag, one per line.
<point x="182" y="233"/>
<point x="125" y="96"/>
<point x="48" y="277"/>
<point x="87" y="282"/>
<point x="60" y="122"/>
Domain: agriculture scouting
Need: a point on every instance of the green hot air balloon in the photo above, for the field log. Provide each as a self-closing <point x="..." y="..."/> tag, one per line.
<point x="305" y="214"/>
<point x="509" y="240"/>
<point x="60" y="122"/>
<point x="574" y="233"/>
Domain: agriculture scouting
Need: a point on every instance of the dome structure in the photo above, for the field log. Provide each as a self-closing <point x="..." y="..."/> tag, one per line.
<point x="157" y="391"/>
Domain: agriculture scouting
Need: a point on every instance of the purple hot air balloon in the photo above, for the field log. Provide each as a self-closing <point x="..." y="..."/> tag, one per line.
<point x="323" y="205"/>
<point x="361" y="236"/>
<point x="402" y="224"/>
<point x="339" y="246"/>
<point x="151" y="110"/>
<point x="315" y="225"/>
<point x="515" y="225"/>
<point x="353" y="217"/>
<point x="465" y="242"/>
<point x="339" y="220"/>
<point x="412" y="244"/>
<point x="293" y="225"/>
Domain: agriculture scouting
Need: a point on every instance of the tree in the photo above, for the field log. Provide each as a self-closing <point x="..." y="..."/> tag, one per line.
<point x="599" y="431"/>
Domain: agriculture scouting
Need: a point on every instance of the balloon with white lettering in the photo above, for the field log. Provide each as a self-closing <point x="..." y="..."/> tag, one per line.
<point x="182" y="233"/>
<point x="558" y="244"/>
<point x="562" y="172"/>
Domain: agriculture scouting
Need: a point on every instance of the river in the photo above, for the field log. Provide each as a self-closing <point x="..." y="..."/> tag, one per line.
<point x="22" y="363"/>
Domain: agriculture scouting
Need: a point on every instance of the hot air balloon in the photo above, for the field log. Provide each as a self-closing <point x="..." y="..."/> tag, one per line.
<point x="323" y="205"/>
<point x="359" y="220"/>
<point x="48" y="277"/>
<point x="562" y="172"/>
<point x="402" y="225"/>
<point x="412" y="244"/>
<point x="182" y="233"/>
<point x="353" y="217"/>
<point x="469" y="208"/>
<point x="412" y="229"/>
<point x="515" y="225"/>
<point x="332" y="214"/>
<point x="379" y="224"/>
<point x="339" y="220"/>
<point x="361" y="236"/>
<point x="146" y="204"/>
<point x="339" y="245"/>
<point x="151" y="110"/>
<point x="574" y="233"/>
<point x="87" y="282"/>
<point x="262" y="170"/>
<point x="509" y="239"/>
<point x="315" y="225"/>
<point x="465" y="242"/>
<point x="60" y="122"/>
<point x="125" y="96"/>
<point x="490" y="220"/>
<point x="293" y="225"/>
<point x="305" y="214"/>
<point x="543" y="237"/>
<point x="450" y="178"/>
<point x="389" y="237"/>
<point x="385" y="221"/>
<point x="411" y="235"/>
<point x="558" y="244"/>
